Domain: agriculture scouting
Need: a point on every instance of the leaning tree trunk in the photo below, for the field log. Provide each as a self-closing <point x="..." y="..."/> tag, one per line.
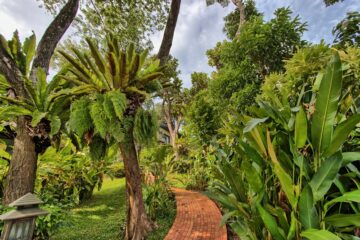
<point x="22" y="171"/>
<point x="138" y="224"/>
<point x="168" y="36"/>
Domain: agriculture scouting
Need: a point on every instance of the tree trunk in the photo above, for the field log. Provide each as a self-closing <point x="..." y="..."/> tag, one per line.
<point x="167" y="40"/>
<point x="52" y="36"/>
<point x="241" y="7"/>
<point x="22" y="170"/>
<point x="138" y="225"/>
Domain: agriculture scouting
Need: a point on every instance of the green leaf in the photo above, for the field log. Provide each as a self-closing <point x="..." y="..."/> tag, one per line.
<point x="29" y="47"/>
<point x="325" y="176"/>
<point x="252" y="176"/>
<point x="315" y="234"/>
<point x="253" y="123"/>
<point x="326" y="106"/>
<point x="341" y="134"/>
<point x="36" y="117"/>
<point x="349" y="157"/>
<point x="98" y="116"/>
<point x="343" y="220"/>
<point x="80" y="119"/>
<point x="300" y="128"/>
<point x="307" y="211"/>
<point x="100" y="62"/>
<point x="119" y="102"/>
<point x="284" y="178"/>
<point x="270" y="223"/>
<point x="292" y="230"/>
<point x="55" y="124"/>
<point x="353" y="196"/>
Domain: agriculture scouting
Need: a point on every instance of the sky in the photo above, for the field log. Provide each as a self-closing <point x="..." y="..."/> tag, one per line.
<point x="199" y="27"/>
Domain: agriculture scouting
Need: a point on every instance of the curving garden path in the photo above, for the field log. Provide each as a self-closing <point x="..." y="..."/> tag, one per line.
<point x="197" y="218"/>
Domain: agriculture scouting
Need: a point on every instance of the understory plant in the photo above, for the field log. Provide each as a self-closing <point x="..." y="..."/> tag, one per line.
<point x="158" y="198"/>
<point x="291" y="173"/>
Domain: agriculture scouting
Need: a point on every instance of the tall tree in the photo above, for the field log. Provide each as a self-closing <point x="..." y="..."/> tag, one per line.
<point x="240" y="6"/>
<point x="22" y="170"/>
<point x="172" y="100"/>
<point x="112" y="112"/>
<point x="231" y="27"/>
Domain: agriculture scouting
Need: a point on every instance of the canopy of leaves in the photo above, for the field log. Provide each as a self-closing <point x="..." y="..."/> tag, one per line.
<point x="131" y="21"/>
<point x="243" y="63"/>
<point x="347" y="32"/>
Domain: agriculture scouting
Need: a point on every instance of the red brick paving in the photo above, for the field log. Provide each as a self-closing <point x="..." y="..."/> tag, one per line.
<point x="197" y="218"/>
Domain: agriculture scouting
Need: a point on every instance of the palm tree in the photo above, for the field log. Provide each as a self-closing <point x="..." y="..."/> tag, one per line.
<point x="112" y="111"/>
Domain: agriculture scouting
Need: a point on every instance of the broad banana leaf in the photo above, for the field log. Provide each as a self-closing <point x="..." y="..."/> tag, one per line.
<point x="326" y="106"/>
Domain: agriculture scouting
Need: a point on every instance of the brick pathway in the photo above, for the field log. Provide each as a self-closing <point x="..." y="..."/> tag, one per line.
<point x="197" y="218"/>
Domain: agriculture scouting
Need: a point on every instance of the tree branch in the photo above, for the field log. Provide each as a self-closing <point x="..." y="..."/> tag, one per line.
<point x="52" y="36"/>
<point x="168" y="36"/>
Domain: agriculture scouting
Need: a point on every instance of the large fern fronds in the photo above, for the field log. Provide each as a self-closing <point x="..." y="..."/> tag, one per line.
<point x="145" y="126"/>
<point x="80" y="120"/>
<point x="99" y="116"/>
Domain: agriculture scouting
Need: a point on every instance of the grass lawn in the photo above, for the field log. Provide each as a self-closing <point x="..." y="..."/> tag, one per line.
<point x="103" y="217"/>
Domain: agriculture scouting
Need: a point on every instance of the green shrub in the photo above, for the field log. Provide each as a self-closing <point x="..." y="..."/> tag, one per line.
<point x="117" y="170"/>
<point x="159" y="199"/>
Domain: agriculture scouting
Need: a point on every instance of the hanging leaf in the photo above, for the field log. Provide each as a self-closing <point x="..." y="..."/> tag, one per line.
<point x="80" y="119"/>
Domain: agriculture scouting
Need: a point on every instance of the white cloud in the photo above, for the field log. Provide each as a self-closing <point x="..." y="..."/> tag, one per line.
<point x="23" y="15"/>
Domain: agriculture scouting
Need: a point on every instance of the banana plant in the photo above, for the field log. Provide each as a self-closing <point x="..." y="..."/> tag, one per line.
<point x="309" y="186"/>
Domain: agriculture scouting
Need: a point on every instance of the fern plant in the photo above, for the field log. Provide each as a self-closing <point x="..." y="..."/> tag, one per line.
<point x="45" y="103"/>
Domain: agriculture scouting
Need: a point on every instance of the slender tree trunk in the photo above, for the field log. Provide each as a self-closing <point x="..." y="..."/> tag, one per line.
<point x="22" y="170"/>
<point x="167" y="40"/>
<point x="138" y="224"/>
<point x="240" y="5"/>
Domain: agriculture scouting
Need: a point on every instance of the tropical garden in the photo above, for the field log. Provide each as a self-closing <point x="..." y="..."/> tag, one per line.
<point x="272" y="135"/>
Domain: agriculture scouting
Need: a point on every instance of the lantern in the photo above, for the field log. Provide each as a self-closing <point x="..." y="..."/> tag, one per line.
<point x="20" y="223"/>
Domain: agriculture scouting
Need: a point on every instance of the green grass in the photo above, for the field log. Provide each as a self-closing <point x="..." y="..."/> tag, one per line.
<point x="103" y="217"/>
